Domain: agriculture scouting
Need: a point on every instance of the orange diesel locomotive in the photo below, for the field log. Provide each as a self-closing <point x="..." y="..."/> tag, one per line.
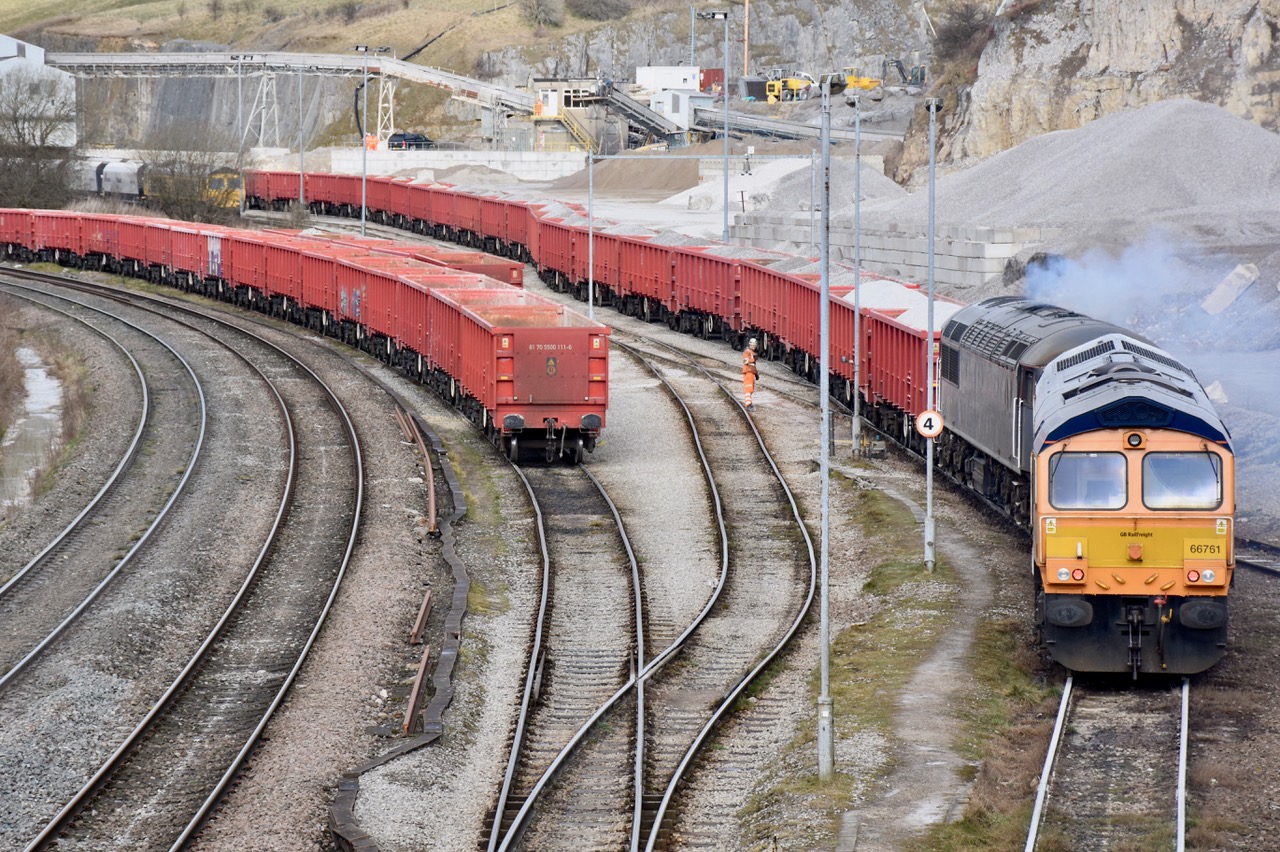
<point x="1129" y="474"/>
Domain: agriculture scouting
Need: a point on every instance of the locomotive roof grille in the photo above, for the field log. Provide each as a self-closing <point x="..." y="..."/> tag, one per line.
<point x="987" y="337"/>
<point x="1043" y="309"/>
<point x="1014" y="348"/>
<point x="955" y="330"/>
<point x="1080" y="357"/>
<point x="1152" y="355"/>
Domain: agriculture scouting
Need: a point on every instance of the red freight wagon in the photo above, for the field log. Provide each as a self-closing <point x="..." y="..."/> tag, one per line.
<point x="320" y="191"/>
<point x="885" y="296"/>
<point x="282" y="282"/>
<point x="411" y="309"/>
<point x="504" y="271"/>
<point x="539" y="373"/>
<point x="133" y="242"/>
<point x="801" y="328"/>
<point x="605" y="260"/>
<point x="416" y="202"/>
<point x="101" y="237"/>
<point x="58" y="234"/>
<point x="443" y="216"/>
<point x="533" y="219"/>
<point x="647" y="271"/>
<point x="896" y="372"/>
<point x="376" y="305"/>
<point x="706" y="286"/>
<point x="255" y="184"/>
<point x="379" y="197"/>
<point x="16" y="231"/>
<point x="397" y="199"/>
<point x="243" y="263"/>
<point x="190" y="247"/>
<point x="320" y="284"/>
<point x="496" y="213"/>
<point x="467" y="218"/>
<point x="159" y="257"/>
<point x="556" y="248"/>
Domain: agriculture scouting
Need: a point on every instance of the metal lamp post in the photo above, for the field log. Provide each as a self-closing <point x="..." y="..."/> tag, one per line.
<point x="933" y="105"/>
<point x="364" y="148"/>
<point x="364" y="132"/>
<point x="302" y="167"/>
<point x="826" y="734"/>
<point x="720" y="15"/>
<point x="239" y="60"/>
<point x="856" y="437"/>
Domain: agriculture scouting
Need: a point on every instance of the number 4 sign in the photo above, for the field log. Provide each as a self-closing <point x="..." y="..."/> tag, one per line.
<point x="929" y="423"/>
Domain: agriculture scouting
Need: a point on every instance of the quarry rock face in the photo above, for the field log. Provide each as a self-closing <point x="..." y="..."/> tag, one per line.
<point x="1079" y="60"/>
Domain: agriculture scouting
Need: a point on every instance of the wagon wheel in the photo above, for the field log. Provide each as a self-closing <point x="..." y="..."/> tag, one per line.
<point x="575" y="452"/>
<point x="513" y="449"/>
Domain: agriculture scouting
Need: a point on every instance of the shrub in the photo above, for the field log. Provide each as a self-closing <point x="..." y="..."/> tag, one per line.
<point x="963" y="32"/>
<point x="543" y="13"/>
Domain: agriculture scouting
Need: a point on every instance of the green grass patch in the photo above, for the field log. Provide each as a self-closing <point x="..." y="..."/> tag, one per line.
<point x="1007" y="719"/>
<point x="870" y="664"/>
<point x="481" y="600"/>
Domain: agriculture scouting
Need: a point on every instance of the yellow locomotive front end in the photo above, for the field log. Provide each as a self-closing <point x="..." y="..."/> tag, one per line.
<point x="1133" y="549"/>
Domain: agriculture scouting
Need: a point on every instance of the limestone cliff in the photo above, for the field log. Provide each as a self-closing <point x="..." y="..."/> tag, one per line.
<point x="1060" y="64"/>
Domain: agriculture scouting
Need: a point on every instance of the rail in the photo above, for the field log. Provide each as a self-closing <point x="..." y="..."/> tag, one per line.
<point x="1066" y="721"/>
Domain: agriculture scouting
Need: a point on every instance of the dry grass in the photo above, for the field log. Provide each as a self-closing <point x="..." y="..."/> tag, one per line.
<point x="466" y="28"/>
<point x="470" y="26"/>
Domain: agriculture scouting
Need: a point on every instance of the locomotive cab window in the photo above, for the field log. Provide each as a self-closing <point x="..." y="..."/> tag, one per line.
<point x="1181" y="481"/>
<point x="1088" y="481"/>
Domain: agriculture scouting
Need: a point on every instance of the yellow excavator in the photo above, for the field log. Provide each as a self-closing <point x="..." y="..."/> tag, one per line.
<point x="847" y="78"/>
<point x="789" y="85"/>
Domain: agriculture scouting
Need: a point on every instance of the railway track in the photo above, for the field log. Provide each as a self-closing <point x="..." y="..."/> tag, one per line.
<point x="1258" y="555"/>
<point x="766" y="588"/>
<point x="43" y="597"/>
<point x="164" y="777"/>
<point x="651" y="728"/>
<point x="1115" y="773"/>
<point x="586" y="640"/>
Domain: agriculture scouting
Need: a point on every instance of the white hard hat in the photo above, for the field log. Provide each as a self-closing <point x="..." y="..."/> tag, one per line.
<point x="752" y="343"/>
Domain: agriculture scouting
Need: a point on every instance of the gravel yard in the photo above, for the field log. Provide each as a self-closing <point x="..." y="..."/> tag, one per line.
<point x="1136" y="198"/>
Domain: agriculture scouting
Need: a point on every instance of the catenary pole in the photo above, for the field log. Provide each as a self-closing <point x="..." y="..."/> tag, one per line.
<point x="826" y="749"/>
<point x="929" y="531"/>
<point x="856" y="437"/>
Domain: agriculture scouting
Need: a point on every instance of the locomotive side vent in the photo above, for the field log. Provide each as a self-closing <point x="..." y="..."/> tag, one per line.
<point x="1134" y="412"/>
<point x="1080" y="357"/>
<point x="951" y="365"/>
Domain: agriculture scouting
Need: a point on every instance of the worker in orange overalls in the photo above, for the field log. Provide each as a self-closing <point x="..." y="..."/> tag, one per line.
<point x="750" y="372"/>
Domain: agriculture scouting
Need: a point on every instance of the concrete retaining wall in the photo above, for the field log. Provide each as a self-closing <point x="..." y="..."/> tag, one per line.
<point x="525" y="165"/>
<point x="963" y="256"/>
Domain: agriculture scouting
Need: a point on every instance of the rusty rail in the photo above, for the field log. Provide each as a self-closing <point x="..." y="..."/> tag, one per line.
<point x="415" y="697"/>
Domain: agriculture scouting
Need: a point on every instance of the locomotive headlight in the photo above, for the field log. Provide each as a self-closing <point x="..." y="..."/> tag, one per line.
<point x="1193" y="576"/>
<point x="1134" y="440"/>
<point x="1208" y="575"/>
<point x="1064" y="574"/>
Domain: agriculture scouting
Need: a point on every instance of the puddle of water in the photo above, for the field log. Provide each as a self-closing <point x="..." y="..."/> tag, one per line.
<point x="34" y="435"/>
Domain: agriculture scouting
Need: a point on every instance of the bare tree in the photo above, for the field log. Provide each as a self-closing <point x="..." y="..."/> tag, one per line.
<point x="37" y="137"/>
<point x="543" y="13"/>
<point x="191" y="176"/>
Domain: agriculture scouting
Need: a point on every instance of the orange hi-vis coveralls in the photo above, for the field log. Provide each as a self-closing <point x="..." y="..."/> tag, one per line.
<point x="749" y="374"/>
